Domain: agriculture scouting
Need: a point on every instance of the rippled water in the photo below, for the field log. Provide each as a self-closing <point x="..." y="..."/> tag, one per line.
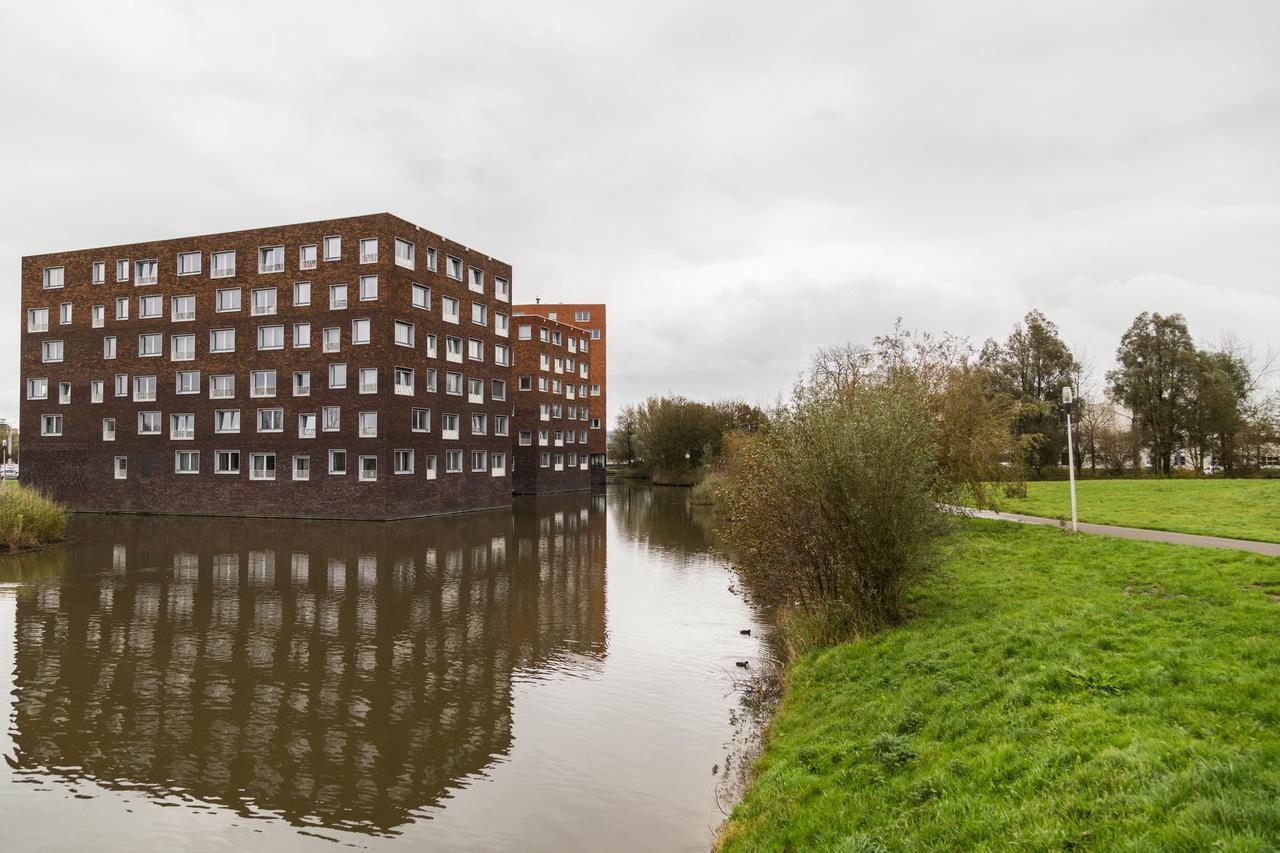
<point x="555" y="677"/>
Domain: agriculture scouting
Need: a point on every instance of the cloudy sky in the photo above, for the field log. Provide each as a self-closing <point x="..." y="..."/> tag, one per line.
<point x="741" y="182"/>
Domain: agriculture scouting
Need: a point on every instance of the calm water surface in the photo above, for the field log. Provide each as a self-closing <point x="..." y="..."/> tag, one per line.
<point x="556" y="677"/>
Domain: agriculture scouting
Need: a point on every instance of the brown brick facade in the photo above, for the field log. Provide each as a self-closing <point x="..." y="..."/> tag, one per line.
<point x="592" y="318"/>
<point x="78" y="466"/>
<point x="551" y="419"/>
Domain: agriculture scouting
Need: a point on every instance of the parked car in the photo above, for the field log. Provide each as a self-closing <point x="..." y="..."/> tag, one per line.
<point x="9" y="472"/>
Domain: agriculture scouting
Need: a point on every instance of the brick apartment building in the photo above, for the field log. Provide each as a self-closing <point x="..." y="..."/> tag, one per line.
<point x="552" y="421"/>
<point x="351" y="368"/>
<point x="591" y="317"/>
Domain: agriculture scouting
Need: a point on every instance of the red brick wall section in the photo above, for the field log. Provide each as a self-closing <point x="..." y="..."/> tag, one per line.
<point x="563" y="390"/>
<point x="77" y="467"/>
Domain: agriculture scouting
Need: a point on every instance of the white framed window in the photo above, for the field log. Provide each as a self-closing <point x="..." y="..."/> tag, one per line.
<point x="368" y="424"/>
<point x="187" y="382"/>
<point x="182" y="347"/>
<point x="301" y="335"/>
<point x="307" y="257"/>
<point x="479" y="314"/>
<point x="270" y="337"/>
<point x="301" y="293"/>
<point x="97" y="391"/>
<point x="475" y="279"/>
<point x="148" y="423"/>
<point x="302" y="383"/>
<point x="501" y="425"/>
<point x="368" y="380"/>
<point x="226" y="421"/>
<point x="453" y="267"/>
<point x="222" y="340"/>
<point x="450" y="309"/>
<point x="262" y="466"/>
<point x="226" y="462"/>
<point x="429" y="383"/>
<point x="431" y="259"/>
<point x="109" y="347"/>
<point x="262" y="383"/>
<point x="108" y="429"/>
<point x="420" y="420"/>
<point x="99" y="274"/>
<point x="479" y="424"/>
<point x="122" y="308"/>
<point x="501" y="324"/>
<point x="51" y="425"/>
<point x="222" y="264"/>
<point x="122" y="270"/>
<point x="453" y="349"/>
<point x="525" y="437"/>
<point x="337" y="375"/>
<point x="475" y="390"/>
<point x="38" y="389"/>
<point x="228" y="300"/>
<point x="498" y="464"/>
<point x="331" y="339"/>
<point x="524" y="332"/>
<point x="359" y="332"/>
<point x="404" y="333"/>
<point x="332" y="248"/>
<point x="263" y="302"/>
<point x="120" y="467"/>
<point x="307" y="425"/>
<point x="502" y="289"/>
<point x="51" y="352"/>
<point x="182" y="309"/>
<point x="479" y="461"/>
<point x="271" y="420"/>
<point x="182" y="427"/>
<point x="222" y="387"/>
<point x="453" y="383"/>
<point x="368" y="250"/>
<point x="453" y="461"/>
<point x="368" y="469"/>
<point x="475" y="349"/>
<point x="271" y="259"/>
<point x="595" y="334"/>
<point x="402" y="461"/>
<point x="64" y="314"/>
<point x="331" y="418"/>
<point x="502" y="355"/>
<point x="337" y="462"/>
<point x="301" y="468"/>
<point x="405" y="254"/>
<point x="64" y="393"/>
<point x="144" y="389"/>
<point x="150" y="307"/>
<point x="146" y="272"/>
<point x="429" y="466"/>
<point x="54" y="278"/>
<point x="403" y="381"/>
<point x="122" y="385"/>
<point x="189" y="263"/>
<point x="449" y="425"/>
<point x="38" y="320"/>
<point x="422" y="297"/>
<point x="544" y="335"/>
<point x="432" y="350"/>
<point x="368" y="288"/>
<point x="337" y="297"/>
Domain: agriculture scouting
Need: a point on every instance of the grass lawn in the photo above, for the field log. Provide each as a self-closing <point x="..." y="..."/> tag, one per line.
<point x="1052" y="692"/>
<point x="1240" y="509"/>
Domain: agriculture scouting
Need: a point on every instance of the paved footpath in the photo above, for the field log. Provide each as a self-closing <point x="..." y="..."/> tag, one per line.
<point x="1271" y="549"/>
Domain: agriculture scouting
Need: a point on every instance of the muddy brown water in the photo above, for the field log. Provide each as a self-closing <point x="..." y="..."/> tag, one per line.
<point x="554" y="677"/>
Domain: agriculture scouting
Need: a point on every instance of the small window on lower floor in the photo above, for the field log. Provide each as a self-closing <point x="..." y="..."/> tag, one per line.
<point x="186" y="462"/>
<point x="368" y="468"/>
<point x="121" y="467"/>
<point x="429" y="464"/>
<point x="302" y="467"/>
<point x="337" y="462"/>
<point x="402" y="461"/>
<point x="262" y="466"/>
<point x="226" y="462"/>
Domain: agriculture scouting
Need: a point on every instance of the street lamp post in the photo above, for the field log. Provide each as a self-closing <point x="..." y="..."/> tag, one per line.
<point x="1071" y="456"/>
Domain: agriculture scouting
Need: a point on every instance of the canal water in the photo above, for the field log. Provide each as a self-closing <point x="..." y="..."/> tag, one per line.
<point x="560" y="676"/>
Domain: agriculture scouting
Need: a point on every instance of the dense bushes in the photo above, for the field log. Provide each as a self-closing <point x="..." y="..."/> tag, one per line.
<point x="28" y="518"/>
<point x="839" y="505"/>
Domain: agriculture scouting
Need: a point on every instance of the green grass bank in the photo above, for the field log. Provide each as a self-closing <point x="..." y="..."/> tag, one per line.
<point x="1239" y="509"/>
<point x="27" y="518"/>
<point x="1052" y="692"/>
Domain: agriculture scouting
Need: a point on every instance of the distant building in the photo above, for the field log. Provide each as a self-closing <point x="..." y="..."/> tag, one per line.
<point x="350" y="368"/>
<point x="552" y="418"/>
<point x="591" y="317"/>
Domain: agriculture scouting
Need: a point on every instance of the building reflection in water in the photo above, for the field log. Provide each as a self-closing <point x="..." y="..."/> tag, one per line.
<point x="335" y="674"/>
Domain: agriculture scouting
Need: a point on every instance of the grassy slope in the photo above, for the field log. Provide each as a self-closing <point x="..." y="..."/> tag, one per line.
<point x="1054" y="691"/>
<point x="1241" y="509"/>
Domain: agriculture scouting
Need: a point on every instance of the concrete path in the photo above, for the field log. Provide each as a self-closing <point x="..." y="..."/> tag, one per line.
<point x="1271" y="549"/>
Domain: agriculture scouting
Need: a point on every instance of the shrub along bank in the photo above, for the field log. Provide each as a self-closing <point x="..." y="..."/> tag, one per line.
<point x="1050" y="691"/>
<point x="28" y="518"/>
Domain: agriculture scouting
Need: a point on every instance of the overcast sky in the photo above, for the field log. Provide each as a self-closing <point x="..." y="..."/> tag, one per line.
<point x="741" y="182"/>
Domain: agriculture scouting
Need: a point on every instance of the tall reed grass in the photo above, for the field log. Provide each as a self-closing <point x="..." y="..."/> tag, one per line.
<point x="28" y="518"/>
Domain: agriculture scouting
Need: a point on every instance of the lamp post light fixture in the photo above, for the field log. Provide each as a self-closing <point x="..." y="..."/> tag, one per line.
<point x="1071" y="456"/>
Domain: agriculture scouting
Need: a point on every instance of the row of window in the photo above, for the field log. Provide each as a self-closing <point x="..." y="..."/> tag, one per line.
<point x="262" y="466"/>
<point x="271" y="259"/>
<point x="262" y="383"/>
<point x="182" y="426"/>
<point x="265" y="302"/>
<point x="578" y="317"/>
<point x="272" y="337"/>
<point x="553" y="337"/>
